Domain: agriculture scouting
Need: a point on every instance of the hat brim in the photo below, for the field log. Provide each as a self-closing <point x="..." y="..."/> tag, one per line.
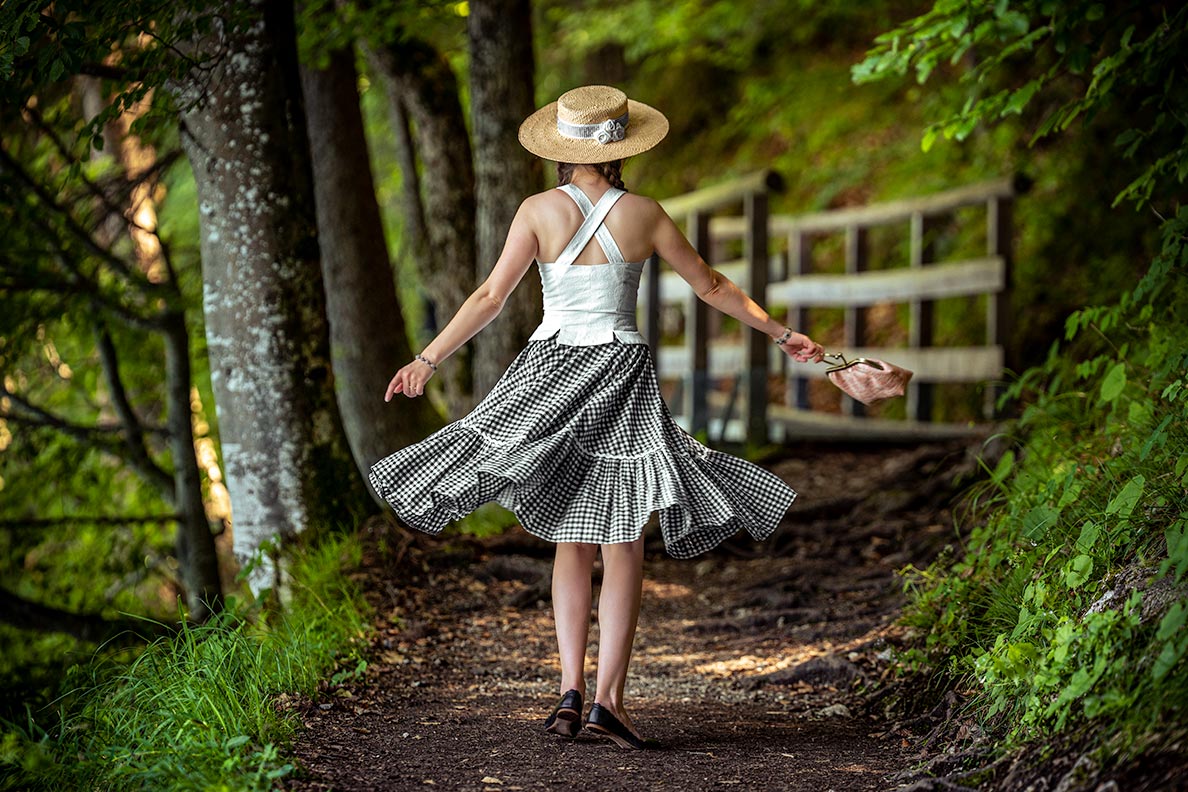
<point x="646" y="127"/>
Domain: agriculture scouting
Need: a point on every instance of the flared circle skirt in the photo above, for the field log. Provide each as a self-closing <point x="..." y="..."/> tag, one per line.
<point x="578" y="443"/>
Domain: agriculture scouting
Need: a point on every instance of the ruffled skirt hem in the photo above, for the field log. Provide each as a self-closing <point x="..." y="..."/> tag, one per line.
<point x="703" y="499"/>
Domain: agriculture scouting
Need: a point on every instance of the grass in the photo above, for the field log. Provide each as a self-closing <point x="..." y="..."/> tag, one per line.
<point x="198" y="710"/>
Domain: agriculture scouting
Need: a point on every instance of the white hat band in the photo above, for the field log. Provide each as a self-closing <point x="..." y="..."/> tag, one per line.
<point x="608" y="131"/>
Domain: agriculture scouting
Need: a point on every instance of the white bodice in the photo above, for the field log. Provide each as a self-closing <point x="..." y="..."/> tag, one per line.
<point x="587" y="304"/>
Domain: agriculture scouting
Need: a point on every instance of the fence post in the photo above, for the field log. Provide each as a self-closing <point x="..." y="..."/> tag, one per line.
<point x="920" y="322"/>
<point x="756" y="243"/>
<point x="998" y="243"/>
<point x="800" y="251"/>
<point x="855" y="318"/>
<point x="697" y="332"/>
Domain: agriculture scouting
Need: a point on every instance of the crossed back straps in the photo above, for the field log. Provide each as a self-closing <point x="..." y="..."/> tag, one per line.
<point x="592" y="226"/>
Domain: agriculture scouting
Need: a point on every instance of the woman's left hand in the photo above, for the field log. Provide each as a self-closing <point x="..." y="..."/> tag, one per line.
<point x="803" y="349"/>
<point x="410" y="381"/>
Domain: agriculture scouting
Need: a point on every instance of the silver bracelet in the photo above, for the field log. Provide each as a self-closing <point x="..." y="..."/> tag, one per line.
<point x="784" y="338"/>
<point x="425" y="360"/>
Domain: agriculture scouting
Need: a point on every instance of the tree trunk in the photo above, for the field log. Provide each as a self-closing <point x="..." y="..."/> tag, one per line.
<point x="422" y="84"/>
<point x="501" y="96"/>
<point x="288" y="463"/>
<point x="368" y="340"/>
<point x="196" y="553"/>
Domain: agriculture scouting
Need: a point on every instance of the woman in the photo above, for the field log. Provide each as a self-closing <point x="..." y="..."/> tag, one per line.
<point x="575" y="438"/>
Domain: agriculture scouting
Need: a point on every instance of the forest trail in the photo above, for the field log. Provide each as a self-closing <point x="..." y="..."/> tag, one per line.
<point x="753" y="665"/>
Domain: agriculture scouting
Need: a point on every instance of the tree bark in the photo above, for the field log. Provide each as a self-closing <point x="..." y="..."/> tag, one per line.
<point x="422" y="84"/>
<point x="287" y="459"/>
<point x="501" y="97"/>
<point x="368" y="339"/>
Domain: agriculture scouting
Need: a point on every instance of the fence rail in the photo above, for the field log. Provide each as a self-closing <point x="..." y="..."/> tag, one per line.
<point x="786" y="279"/>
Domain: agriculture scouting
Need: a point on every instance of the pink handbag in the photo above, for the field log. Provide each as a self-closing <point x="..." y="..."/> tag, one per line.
<point x="868" y="380"/>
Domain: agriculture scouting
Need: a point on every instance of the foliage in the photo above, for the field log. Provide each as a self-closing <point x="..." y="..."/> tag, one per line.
<point x="1087" y="55"/>
<point x="42" y="45"/>
<point x="1065" y="607"/>
<point x="73" y="269"/>
<point x="199" y="710"/>
<point x="1069" y="603"/>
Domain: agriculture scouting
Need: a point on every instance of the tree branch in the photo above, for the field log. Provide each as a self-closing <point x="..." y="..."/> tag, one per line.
<point x="28" y="615"/>
<point x="138" y="453"/>
<point x="159" y="164"/>
<point x="7" y="163"/>
<point x="79" y="283"/>
<point x="103" y="436"/>
<point x="107" y="72"/>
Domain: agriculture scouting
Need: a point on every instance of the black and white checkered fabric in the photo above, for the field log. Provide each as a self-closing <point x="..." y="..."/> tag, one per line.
<point x="578" y="443"/>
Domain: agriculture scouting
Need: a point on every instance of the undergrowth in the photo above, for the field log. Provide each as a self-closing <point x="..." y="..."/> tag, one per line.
<point x="197" y="710"/>
<point x="1065" y="608"/>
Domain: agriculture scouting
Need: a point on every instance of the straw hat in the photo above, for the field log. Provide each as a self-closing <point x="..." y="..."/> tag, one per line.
<point x="594" y="123"/>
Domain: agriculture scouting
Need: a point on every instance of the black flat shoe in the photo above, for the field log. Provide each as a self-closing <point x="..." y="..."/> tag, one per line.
<point x="602" y="721"/>
<point x="566" y="720"/>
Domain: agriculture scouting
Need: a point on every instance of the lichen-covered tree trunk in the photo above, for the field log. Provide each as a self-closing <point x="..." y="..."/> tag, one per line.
<point x="501" y="96"/>
<point x="422" y="84"/>
<point x="368" y="341"/>
<point x="288" y="464"/>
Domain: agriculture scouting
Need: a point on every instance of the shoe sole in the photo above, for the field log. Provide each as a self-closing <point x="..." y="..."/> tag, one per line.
<point x="619" y="741"/>
<point x="567" y="723"/>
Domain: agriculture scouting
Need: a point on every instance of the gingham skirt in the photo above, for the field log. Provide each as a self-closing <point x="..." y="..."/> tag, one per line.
<point x="577" y="442"/>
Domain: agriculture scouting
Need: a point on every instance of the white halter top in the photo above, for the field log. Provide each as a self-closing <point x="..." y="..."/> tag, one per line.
<point x="589" y="304"/>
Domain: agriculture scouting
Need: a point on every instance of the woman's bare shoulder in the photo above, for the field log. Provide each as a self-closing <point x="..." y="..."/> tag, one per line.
<point x="642" y="206"/>
<point x="548" y="202"/>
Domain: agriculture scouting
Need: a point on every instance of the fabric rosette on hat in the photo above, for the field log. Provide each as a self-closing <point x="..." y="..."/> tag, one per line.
<point x="591" y="124"/>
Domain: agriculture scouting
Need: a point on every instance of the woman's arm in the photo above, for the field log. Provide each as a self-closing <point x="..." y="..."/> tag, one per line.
<point x="718" y="291"/>
<point x="482" y="306"/>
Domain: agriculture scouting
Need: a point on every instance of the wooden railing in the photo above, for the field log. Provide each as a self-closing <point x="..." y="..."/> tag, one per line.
<point x="786" y="278"/>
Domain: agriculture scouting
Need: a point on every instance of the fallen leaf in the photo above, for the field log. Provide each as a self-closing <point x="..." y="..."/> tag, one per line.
<point x="490" y="780"/>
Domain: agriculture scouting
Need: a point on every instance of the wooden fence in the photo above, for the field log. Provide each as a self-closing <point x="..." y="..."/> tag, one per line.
<point x="776" y="268"/>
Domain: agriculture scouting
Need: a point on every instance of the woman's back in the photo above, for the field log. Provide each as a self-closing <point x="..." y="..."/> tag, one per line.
<point x="555" y="218"/>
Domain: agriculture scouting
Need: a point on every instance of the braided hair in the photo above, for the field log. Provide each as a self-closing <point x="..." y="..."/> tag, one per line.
<point x="611" y="171"/>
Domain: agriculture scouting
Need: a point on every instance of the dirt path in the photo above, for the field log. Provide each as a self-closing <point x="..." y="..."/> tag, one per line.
<point x="754" y="673"/>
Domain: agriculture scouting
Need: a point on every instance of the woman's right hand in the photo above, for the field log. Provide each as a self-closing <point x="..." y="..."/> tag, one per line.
<point x="410" y="380"/>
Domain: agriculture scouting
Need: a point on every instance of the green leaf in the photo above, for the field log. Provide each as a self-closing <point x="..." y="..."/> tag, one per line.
<point x="1114" y="383"/>
<point x="929" y="138"/>
<point x="1037" y="522"/>
<point x="1167" y="659"/>
<point x="1172" y="622"/>
<point x="1124" y="502"/>
<point x="1019" y="99"/>
<point x="1005" y="465"/>
<point x="1158" y="437"/>
<point x="1089" y="533"/>
<point x="1078" y="571"/>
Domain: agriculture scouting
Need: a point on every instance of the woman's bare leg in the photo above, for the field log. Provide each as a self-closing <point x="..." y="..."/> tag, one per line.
<point x="572" y="570"/>
<point x="618" y="614"/>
